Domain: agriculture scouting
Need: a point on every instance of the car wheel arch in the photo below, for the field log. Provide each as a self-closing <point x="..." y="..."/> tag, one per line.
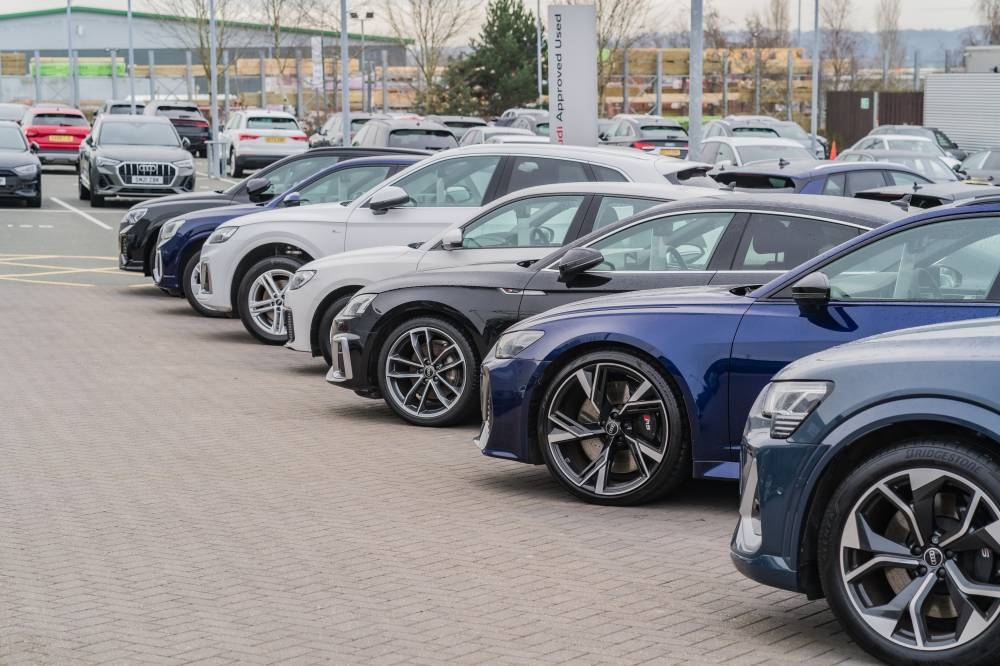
<point x="870" y="437"/>
<point x="259" y="252"/>
<point x="191" y="247"/>
<point x="339" y="292"/>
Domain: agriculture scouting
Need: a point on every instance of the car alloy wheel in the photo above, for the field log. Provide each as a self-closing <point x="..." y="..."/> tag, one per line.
<point x="261" y="298"/>
<point x="609" y="430"/>
<point x="918" y="558"/>
<point x="428" y="372"/>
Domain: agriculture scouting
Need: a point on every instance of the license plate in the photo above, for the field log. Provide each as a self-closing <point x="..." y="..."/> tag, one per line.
<point x="3" y="181"/>
<point x="60" y="138"/>
<point x="275" y="139"/>
<point x="147" y="180"/>
<point x="670" y="152"/>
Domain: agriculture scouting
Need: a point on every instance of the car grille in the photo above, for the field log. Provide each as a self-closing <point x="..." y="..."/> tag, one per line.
<point x="289" y="325"/>
<point x="11" y="178"/>
<point x="127" y="171"/>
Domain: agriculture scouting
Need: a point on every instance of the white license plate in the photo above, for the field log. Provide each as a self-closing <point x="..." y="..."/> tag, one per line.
<point x="147" y="180"/>
<point x="3" y="181"/>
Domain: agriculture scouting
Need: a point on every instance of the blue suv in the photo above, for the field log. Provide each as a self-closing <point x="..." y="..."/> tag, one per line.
<point x="624" y="397"/>
<point x="871" y="476"/>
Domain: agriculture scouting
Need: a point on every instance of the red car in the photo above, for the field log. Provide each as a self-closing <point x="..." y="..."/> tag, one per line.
<point x="58" y="131"/>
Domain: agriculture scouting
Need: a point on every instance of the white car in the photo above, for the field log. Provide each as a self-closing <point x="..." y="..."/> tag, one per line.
<point x="517" y="138"/>
<point x="254" y="138"/>
<point x="478" y="135"/>
<point x="920" y="144"/>
<point x="522" y="226"/>
<point x="247" y="262"/>
<point x="730" y="151"/>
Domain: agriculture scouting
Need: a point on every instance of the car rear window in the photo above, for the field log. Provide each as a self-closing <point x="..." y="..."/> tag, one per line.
<point x="748" y="181"/>
<point x="179" y="112"/>
<point x="59" y="119"/>
<point x="272" y="122"/>
<point x="662" y="132"/>
<point x="125" y="109"/>
<point x="427" y="139"/>
<point x="754" y="131"/>
<point x="463" y="123"/>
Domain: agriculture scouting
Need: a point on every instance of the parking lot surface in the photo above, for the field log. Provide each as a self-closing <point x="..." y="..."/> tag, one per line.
<point x="173" y="492"/>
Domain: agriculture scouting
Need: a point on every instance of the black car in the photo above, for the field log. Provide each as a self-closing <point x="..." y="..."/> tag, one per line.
<point x="388" y="132"/>
<point x="651" y="133"/>
<point x="20" y="170"/>
<point x="439" y="324"/>
<point x="138" y="230"/>
<point x="928" y="196"/>
<point x="189" y="121"/>
<point x="932" y="133"/>
<point x="871" y="475"/>
<point x="133" y="156"/>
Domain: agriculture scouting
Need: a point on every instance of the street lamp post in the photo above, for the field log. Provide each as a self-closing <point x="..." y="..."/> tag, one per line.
<point x="69" y="55"/>
<point x="131" y="60"/>
<point x="814" y="100"/>
<point x="345" y="73"/>
<point x="214" y="151"/>
<point x="538" y="47"/>
<point x="363" y="16"/>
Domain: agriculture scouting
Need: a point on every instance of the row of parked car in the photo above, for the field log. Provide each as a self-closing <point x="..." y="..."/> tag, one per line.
<point x="629" y="322"/>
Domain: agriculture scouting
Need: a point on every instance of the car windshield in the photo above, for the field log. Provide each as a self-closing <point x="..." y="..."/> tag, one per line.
<point x="422" y="138"/>
<point x="755" y="131"/>
<point x="272" y="122"/>
<point x="763" y="151"/>
<point x="662" y="132"/>
<point x="69" y="119"/>
<point x="179" y="112"/>
<point x="914" y="144"/>
<point x="138" y="134"/>
<point x="357" y="123"/>
<point x="11" y="138"/>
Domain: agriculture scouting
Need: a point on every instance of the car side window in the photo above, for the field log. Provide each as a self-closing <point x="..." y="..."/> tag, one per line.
<point x="614" y="209"/>
<point x="535" y="222"/>
<point x="779" y="242"/>
<point x="605" y="174"/>
<point x="532" y="171"/>
<point x="725" y="154"/>
<point x="344" y="185"/>
<point x="976" y="161"/>
<point x="834" y="185"/>
<point x="709" y="150"/>
<point x="951" y="260"/>
<point x="870" y="144"/>
<point x="285" y="176"/>
<point x="462" y="181"/>
<point x="864" y="180"/>
<point x="669" y="243"/>
<point x="904" y="178"/>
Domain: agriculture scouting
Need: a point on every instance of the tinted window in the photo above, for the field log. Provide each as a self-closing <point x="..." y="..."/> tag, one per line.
<point x="662" y="132"/>
<point x="271" y="122"/>
<point x="834" y="185"/>
<point x="11" y="138"/>
<point x="754" y="131"/>
<point x="59" y="119"/>
<point x="286" y="175"/>
<point x="671" y="243"/>
<point x="613" y="209"/>
<point x="532" y="171"/>
<point x="422" y="139"/>
<point x="138" y="134"/>
<point x="535" y="222"/>
<point x="864" y="180"/>
<point x="179" y="112"/>
<point x="955" y="260"/>
<point x="456" y="182"/>
<point x="763" y="151"/>
<point x="607" y="175"/>
<point x="344" y="185"/>
<point x="942" y="139"/>
<point x="125" y="109"/>
<point x="778" y="243"/>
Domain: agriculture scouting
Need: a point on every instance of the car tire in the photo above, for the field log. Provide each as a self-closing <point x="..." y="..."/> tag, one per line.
<point x="638" y="450"/>
<point x="448" y="375"/>
<point x="920" y="486"/>
<point x="96" y="201"/>
<point x="36" y="201"/>
<point x="189" y="286"/>
<point x="84" y="193"/>
<point x="266" y="281"/>
<point x="233" y="166"/>
<point x="326" y="326"/>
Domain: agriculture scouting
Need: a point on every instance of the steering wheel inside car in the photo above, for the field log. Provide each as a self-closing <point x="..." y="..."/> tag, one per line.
<point x="542" y="236"/>
<point x="673" y="254"/>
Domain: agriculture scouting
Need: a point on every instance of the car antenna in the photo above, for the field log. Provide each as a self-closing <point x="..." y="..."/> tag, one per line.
<point x="916" y="186"/>
<point x="782" y="162"/>
<point x="903" y="203"/>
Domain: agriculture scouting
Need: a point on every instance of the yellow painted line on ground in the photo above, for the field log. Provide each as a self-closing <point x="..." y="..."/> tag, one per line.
<point x="59" y="271"/>
<point x="142" y="285"/>
<point x="6" y="257"/>
<point x="52" y="282"/>
<point x="73" y="269"/>
<point x="86" y="216"/>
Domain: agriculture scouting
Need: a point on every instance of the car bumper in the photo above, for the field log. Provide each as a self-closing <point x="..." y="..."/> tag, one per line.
<point x="350" y="364"/>
<point x="110" y="183"/>
<point x="765" y="546"/>
<point x="18" y="187"/>
<point x="51" y="156"/>
<point x="301" y="305"/>
<point x="216" y="281"/>
<point x="167" y="268"/>
<point x="130" y="254"/>
<point x="505" y="395"/>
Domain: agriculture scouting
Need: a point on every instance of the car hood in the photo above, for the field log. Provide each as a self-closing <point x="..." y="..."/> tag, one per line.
<point x="144" y="153"/>
<point x="507" y="275"/>
<point x="14" y="158"/>
<point x="367" y="255"/>
<point x="314" y="213"/>
<point x="660" y="300"/>
<point x="209" y="218"/>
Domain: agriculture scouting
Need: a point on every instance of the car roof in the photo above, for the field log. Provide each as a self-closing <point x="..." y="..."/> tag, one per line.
<point x="889" y="152"/>
<point x="501" y="129"/>
<point x="175" y="102"/>
<point x="466" y="119"/>
<point x="12" y="123"/>
<point x="517" y="138"/>
<point x="906" y="137"/>
<point x="55" y="108"/>
<point x="646" y="118"/>
<point x="663" y="190"/>
<point x="592" y="153"/>
<point x="756" y="141"/>
<point x="267" y="113"/>
<point x="363" y="150"/>
<point x="953" y="189"/>
<point x="379" y="159"/>
<point x="808" y="168"/>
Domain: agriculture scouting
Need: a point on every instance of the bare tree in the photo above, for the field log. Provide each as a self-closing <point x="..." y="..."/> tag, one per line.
<point x="192" y="30"/>
<point x="989" y="14"/>
<point x="890" y="45"/>
<point x="715" y="28"/>
<point x="618" y="24"/>
<point x="431" y="25"/>
<point x="776" y="23"/>
<point x="279" y="15"/>
<point x="840" y="42"/>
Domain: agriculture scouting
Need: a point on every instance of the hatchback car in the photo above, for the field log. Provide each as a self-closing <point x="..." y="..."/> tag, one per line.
<point x="255" y="138"/>
<point x="58" y="132"/>
<point x="404" y="133"/>
<point x="652" y="133"/>
<point x="536" y="123"/>
<point x="186" y="118"/>
<point x="119" y="107"/>
<point x="20" y="170"/>
<point x="623" y="398"/>
<point x="871" y="475"/>
<point x="393" y="330"/>
<point x="928" y="196"/>
<point x="841" y="179"/>
<point x="765" y="127"/>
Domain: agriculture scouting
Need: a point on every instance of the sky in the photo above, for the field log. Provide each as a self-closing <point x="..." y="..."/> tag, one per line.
<point x="917" y="14"/>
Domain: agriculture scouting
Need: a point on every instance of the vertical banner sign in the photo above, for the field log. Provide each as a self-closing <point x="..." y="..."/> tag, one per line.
<point x="316" y="51"/>
<point x="573" y="74"/>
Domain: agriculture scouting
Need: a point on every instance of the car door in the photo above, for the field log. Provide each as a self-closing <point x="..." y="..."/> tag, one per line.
<point x="442" y="193"/>
<point x="673" y="250"/>
<point x="940" y="271"/>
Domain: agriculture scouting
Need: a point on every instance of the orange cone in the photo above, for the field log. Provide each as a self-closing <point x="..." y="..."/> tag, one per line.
<point x="833" y="150"/>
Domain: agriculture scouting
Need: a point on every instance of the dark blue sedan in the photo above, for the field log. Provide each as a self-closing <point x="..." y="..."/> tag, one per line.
<point x="175" y="263"/>
<point x="871" y="476"/>
<point x="624" y="397"/>
<point x="841" y="179"/>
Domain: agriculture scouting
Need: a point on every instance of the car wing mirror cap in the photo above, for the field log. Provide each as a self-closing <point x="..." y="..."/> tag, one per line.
<point x="386" y="198"/>
<point x="452" y="239"/>
<point x="256" y="187"/>
<point x="291" y="200"/>
<point x="812" y="292"/>
<point x="579" y="260"/>
<point x="185" y="142"/>
<point x="33" y="147"/>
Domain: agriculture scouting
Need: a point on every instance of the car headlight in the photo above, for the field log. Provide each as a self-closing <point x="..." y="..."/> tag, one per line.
<point x="107" y="162"/>
<point x="511" y="344"/>
<point x="168" y="230"/>
<point x="184" y="164"/>
<point x="782" y="406"/>
<point x="222" y="234"/>
<point x="26" y="170"/>
<point x="134" y="216"/>
<point x="357" y="306"/>
<point x="301" y="278"/>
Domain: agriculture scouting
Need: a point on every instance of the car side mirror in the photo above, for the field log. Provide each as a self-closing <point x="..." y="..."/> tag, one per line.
<point x="291" y="200"/>
<point x="602" y="136"/>
<point x="578" y="260"/>
<point x="256" y="188"/>
<point x="386" y="198"/>
<point x="812" y="292"/>
<point x="452" y="239"/>
<point x="185" y="143"/>
<point x="34" y="148"/>
<point x="958" y="168"/>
